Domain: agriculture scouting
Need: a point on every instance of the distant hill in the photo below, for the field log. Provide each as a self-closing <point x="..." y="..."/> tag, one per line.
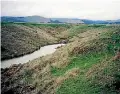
<point x="40" y="19"/>
<point x="94" y="22"/>
<point x="35" y="19"/>
<point x="12" y="19"/>
<point x="67" y="20"/>
<point x="114" y="21"/>
<point x="86" y="21"/>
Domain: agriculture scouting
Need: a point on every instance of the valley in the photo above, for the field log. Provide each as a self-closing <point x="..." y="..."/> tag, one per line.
<point x="89" y="61"/>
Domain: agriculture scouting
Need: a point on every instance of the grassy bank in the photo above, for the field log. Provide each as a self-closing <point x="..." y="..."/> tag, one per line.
<point x="98" y="72"/>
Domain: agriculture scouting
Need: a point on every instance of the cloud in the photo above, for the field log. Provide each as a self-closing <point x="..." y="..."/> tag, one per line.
<point x="88" y="9"/>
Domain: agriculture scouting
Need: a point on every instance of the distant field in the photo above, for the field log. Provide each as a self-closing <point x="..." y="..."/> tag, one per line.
<point x="39" y="24"/>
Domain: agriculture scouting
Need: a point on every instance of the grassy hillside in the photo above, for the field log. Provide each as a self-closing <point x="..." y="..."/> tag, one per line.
<point x="88" y="64"/>
<point x="98" y="68"/>
<point x="22" y="38"/>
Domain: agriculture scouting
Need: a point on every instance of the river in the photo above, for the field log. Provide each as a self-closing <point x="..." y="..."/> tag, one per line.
<point x="45" y="50"/>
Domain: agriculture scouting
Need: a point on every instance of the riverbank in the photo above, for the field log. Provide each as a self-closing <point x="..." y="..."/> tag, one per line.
<point x="19" y="39"/>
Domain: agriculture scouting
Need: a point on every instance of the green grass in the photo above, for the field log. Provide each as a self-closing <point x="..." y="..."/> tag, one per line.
<point x="74" y="31"/>
<point x="46" y="25"/>
<point x="27" y="76"/>
<point x="81" y="85"/>
<point x="78" y="85"/>
<point x="97" y="25"/>
<point x="84" y="62"/>
<point x="114" y="44"/>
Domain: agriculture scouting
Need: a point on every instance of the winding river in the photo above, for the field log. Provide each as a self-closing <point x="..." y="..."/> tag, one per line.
<point x="45" y="50"/>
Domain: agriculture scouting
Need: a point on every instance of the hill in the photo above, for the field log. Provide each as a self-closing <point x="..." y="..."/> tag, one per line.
<point x="86" y="21"/>
<point x="32" y="19"/>
<point x="68" y="20"/>
<point x="39" y="19"/>
<point x="21" y="38"/>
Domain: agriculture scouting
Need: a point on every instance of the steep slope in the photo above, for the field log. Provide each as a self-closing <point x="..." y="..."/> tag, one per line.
<point x="20" y="39"/>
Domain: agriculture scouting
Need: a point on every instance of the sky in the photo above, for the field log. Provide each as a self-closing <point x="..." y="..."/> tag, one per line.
<point x="83" y="9"/>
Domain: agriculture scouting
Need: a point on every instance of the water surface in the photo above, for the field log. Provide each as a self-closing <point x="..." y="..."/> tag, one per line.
<point x="24" y="59"/>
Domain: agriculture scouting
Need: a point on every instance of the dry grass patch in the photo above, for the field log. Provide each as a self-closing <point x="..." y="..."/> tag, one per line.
<point x="72" y="73"/>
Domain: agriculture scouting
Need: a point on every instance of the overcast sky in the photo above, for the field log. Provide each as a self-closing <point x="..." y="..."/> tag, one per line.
<point x="83" y="9"/>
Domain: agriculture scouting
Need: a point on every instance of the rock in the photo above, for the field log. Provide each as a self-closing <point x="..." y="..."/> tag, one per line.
<point x="64" y="41"/>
